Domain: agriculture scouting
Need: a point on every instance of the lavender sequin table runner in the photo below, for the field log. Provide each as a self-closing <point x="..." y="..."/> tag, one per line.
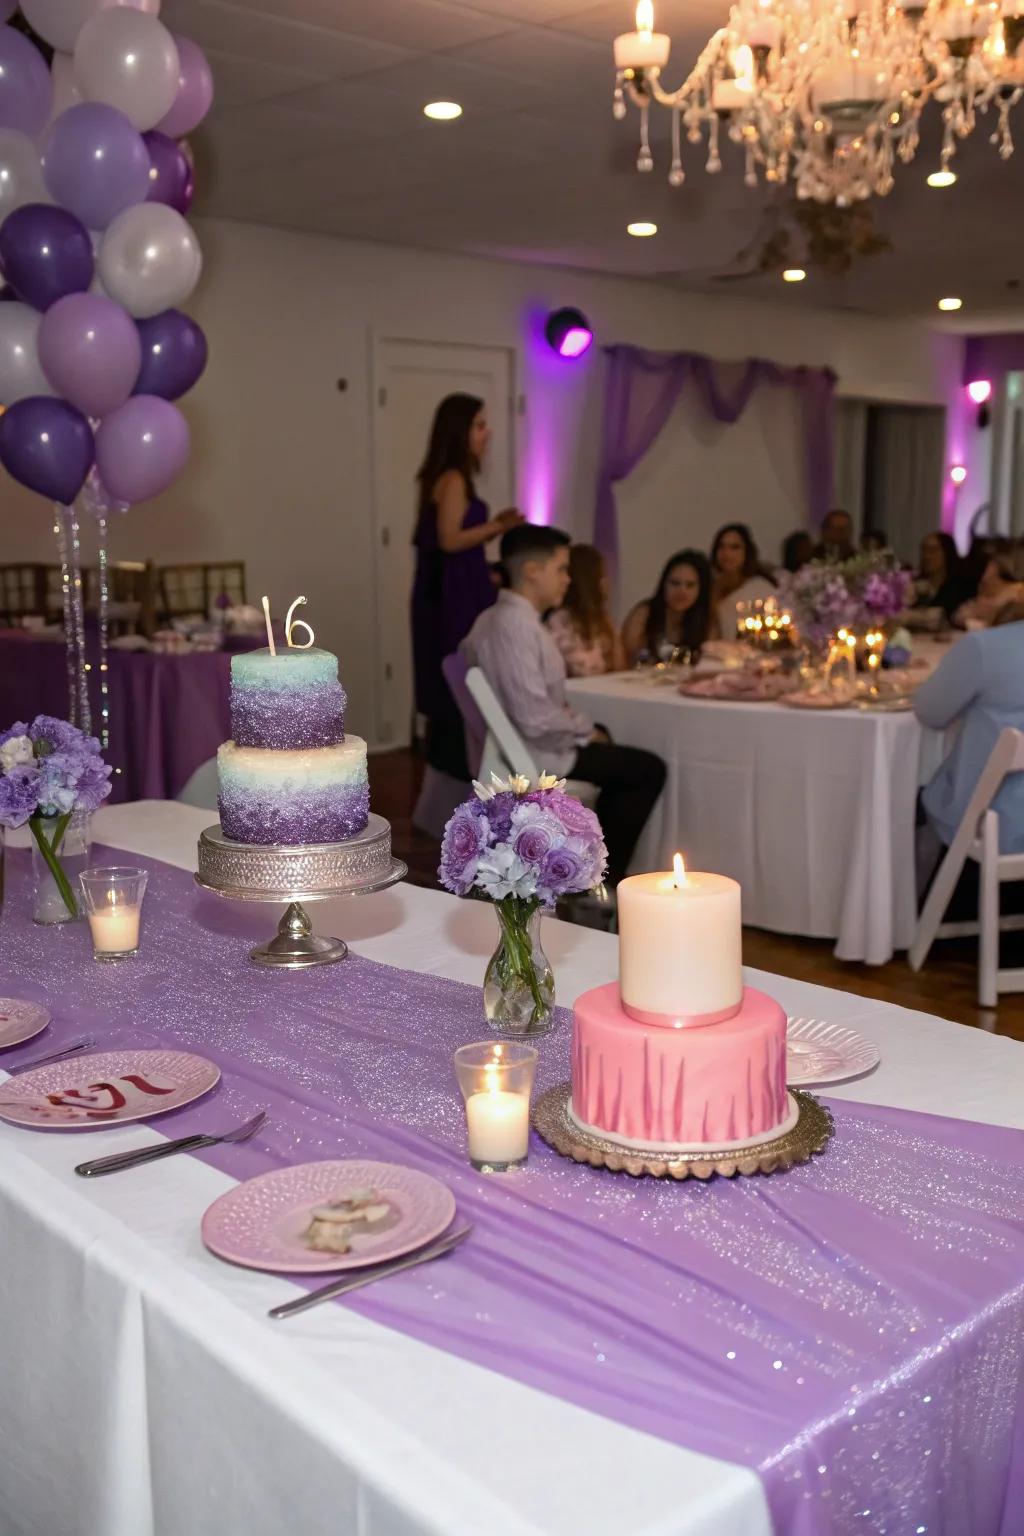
<point x="852" y="1330"/>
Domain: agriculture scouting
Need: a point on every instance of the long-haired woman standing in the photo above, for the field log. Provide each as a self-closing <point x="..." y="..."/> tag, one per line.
<point x="452" y="584"/>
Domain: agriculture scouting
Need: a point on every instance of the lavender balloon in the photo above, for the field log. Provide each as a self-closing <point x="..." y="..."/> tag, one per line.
<point x="171" y="179"/>
<point x="45" y="253"/>
<point x="195" y="90"/>
<point x="48" y="446"/>
<point x="173" y="355"/>
<point x="26" y="90"/>
<point x="141" y="449"/>
<point x="90" y="352"/>
<point x="95" y="163"/>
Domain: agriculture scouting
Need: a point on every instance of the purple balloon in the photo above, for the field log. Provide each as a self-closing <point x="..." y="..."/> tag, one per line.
<point x="45" y="253"/>
<point x="95" y="163"/>
<point x="195" y="90"/>
<point x="26" y="90"/>
<point x="141" y="449"/>
<point x="47" y="445"/>
<point x="90" y="352"/>
<point x="171" y="179"/>
<point x="173" y="354"/>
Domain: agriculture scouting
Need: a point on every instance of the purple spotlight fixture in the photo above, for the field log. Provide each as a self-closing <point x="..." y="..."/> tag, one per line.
<point x="980" y="390"/>
<point x="568" y="332"/>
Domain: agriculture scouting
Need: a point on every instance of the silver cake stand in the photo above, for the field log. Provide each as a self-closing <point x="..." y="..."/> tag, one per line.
<point x="297" y="875"/>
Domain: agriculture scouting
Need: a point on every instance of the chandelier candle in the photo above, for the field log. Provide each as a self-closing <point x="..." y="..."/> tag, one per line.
<point x="680" y="950"/>
<point x="644" y="48"/>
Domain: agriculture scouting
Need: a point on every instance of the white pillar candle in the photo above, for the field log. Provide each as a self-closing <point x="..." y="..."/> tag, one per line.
<point x="115" y="929"/>
<point x="680" y="944"/>
<point x="730" y="96"/>
<point x="763" y="32"/>
<point x="642" y="50"/>
<point x="499" y="1126"/>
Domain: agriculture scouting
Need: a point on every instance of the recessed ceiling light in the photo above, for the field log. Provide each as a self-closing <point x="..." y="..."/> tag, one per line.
<point x="641" y="230"/>
<point x="794" y="275"/>
<point x="950" y="303"/>
<point x="942" y="178"/>
<point x="442" y="111"/>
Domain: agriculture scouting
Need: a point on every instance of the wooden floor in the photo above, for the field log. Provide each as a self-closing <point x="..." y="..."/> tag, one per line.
<point x="946" y="986"/>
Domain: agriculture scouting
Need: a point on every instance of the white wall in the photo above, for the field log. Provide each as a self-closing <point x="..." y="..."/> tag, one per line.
<point x="281" y="464"/>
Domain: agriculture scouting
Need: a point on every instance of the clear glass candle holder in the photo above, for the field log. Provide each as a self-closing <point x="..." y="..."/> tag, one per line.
<point x="113" y="905"/>
<point x="496" y="1079"/>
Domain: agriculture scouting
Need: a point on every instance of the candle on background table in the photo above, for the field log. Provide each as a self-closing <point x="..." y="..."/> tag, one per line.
<point x="113" y="904"/>
<point x="496" y="1079"/>
<point x="680" y="946"/>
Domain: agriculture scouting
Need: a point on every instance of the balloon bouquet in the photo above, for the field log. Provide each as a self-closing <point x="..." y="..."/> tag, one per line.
<point x="95" y="182"/>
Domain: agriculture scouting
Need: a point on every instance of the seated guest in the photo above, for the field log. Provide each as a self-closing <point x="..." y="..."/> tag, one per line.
<point x="525" y="668"/>
<point x="836" y="536"/>
<point x="737" y="575"/>
<point x="873" y="541"/>
<point x="678" y="615"/>
<point x="582" y="627"/>
<point x="940" y="579"/>
<point x="797" y="551"/>
<point x="981" y="683"/>
<point x="996" y="585"/>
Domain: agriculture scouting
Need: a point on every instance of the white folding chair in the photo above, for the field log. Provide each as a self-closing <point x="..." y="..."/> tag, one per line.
<point x="505" y="751"/>
<point x="201" y="789"/>
<point x="977" y="837"/>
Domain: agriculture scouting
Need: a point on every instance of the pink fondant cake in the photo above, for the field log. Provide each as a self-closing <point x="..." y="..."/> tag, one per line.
<point x="659" y="1087"/>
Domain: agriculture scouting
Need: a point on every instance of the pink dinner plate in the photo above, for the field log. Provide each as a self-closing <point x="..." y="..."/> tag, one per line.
<point x="261" y="1223"/>
<point x="20" y="1020"/>
<point x="815" y="701"/>
<point x="107" y="1088"/>
<point x="819" y="1052"/>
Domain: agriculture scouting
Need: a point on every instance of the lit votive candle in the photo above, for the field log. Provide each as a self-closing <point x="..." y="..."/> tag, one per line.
<point x="496" y="1079"/>
<point x="113" y="904"/>
<point x="680" y="947"/>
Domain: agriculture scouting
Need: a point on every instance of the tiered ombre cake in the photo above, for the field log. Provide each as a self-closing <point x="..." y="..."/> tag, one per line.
<point x="679" y="1055"/>
<point x="289" y="775"/>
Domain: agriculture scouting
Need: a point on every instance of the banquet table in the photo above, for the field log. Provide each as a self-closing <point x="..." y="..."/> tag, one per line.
<point x="168" y="713"/>
<point x="812" y="811"/>
<point x="146" y="1393"/>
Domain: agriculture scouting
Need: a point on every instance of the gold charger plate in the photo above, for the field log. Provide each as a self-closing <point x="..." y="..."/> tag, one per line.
<point x="810" y="1135"/>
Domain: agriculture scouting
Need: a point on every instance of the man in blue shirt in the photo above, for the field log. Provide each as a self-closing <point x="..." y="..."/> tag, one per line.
<point x="981" y="683"/>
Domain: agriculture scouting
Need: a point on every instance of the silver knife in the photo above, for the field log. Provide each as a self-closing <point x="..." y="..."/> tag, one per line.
<point x="367" y="1276"/>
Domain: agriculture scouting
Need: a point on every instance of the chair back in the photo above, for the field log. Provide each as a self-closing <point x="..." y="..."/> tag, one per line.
<point x="505" y="751"/>
<point x="455" y="668"/>
<point x="1006" y="757"/>
<point x="195" y="590"/>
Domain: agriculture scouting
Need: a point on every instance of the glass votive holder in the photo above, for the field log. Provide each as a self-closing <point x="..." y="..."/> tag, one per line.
<point x="113" y="905"/>
<point x="496" y="1079"/>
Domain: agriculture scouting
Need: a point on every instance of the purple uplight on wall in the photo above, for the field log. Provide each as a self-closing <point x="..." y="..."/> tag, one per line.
<point x="980" y="390"/>
<point x="568" y="332"/>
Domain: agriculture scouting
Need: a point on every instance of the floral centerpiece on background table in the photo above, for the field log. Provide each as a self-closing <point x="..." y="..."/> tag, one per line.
<point x="523" y="846"/>
<point x="859" y="594"/>
<point x="50" y="773"/>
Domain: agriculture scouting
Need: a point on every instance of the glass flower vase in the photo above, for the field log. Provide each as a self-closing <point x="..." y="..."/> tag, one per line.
<point x="56" y="867"/>
<point x="519" y="988"/>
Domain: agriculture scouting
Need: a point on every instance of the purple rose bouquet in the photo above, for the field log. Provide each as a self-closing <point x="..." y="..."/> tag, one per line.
<point x="523" y="846"/>
<point x="49" y="770"/>
<point x="859" y="594"/>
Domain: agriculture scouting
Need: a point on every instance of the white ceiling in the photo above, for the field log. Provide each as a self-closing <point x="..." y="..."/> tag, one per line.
<point x="318" y="126"/>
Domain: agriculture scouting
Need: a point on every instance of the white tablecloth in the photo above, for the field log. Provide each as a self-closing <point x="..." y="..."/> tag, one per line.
<point x="811" y="811"/>
<point x="143" y="1391"/>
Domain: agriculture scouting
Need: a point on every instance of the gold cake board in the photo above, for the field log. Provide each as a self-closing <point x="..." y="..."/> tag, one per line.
<point x="811" y="1133"/>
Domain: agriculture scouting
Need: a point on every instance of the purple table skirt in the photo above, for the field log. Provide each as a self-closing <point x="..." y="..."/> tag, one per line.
<point x="168" y="714"/>
<point x="853" y="1330"/>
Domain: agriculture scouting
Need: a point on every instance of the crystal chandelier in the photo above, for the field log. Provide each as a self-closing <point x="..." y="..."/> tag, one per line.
<point x="829" y="93"/>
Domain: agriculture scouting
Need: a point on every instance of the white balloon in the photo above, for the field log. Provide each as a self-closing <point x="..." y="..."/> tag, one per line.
<point x="21" y="173"/>
<point x="65" y="86"/>
<point x="60" y="21"/>
<point x="149" y="259"/>
<point x="130" y="61"/>
<point x="20" y="371"/>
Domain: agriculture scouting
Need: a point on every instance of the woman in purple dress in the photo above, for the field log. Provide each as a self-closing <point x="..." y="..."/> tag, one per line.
<point x="452" y="584"/>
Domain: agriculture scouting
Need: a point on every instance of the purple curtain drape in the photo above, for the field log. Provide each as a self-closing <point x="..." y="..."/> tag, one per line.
<point x="643" y="388"/>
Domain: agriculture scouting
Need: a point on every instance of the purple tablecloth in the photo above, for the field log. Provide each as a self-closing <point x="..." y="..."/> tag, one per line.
<point x="168" y="714"/>
<point x="853" y="1330"/>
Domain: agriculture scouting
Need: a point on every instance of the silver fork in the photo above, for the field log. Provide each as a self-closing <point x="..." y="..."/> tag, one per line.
<point x="353" y="1282"/>
<point x="120" y="1160"/>
<point x="85" y="1044"/>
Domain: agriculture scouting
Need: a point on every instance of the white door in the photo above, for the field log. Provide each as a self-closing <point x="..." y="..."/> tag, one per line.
<point x="410" y="380"/>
